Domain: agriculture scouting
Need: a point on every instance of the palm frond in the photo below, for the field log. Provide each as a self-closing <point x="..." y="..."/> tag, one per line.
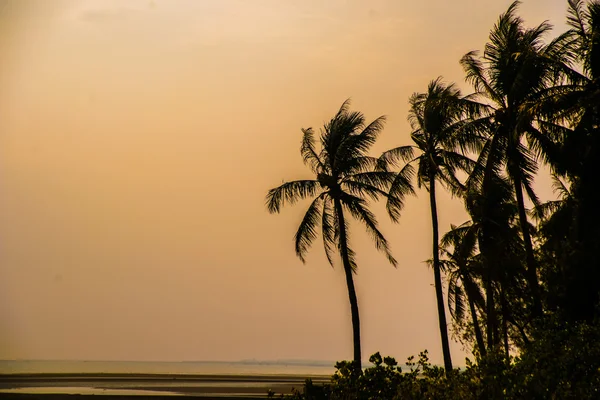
<point x="337" y="130"/>
<point x="456" y="303"/>
<point x="357" y="209"/>
<point x="363" y="190"/>
<point x="360" y="164"/>
<point x="476" y="76"/>
<point x="454" y="236"/>
<point x="307" y="230"/>
<point x="468" y="135"/>
<point x="400" y="189"/>
<point x="576" y="15"/>
<point x="379" y="179"/>
<point x="448" y="178"/>
<point x="458" y="161"/>
<point x="357" y="145"/>
<point x="560" y="187"/>
<point x="473" y="290"/>
<point x="394" y="156"/>
<point x="542" y="144"/>
<point x="543" y="210"/>
<point x="394" y="204"/>
<point x="290" y="192"/>
<point x="308" y="152"/>
<point x="521" y="162"/>
<point x="451" y="163"/>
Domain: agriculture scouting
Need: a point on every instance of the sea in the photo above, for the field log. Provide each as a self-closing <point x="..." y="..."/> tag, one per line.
<point x="207" y="378"/>
<point x="249" y="367"/>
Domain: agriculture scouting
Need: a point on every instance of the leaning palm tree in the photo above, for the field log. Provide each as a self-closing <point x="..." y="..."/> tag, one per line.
<point x="513" y="76"/>
<point x="346" y="177"/>
<point x="440" y="127"/>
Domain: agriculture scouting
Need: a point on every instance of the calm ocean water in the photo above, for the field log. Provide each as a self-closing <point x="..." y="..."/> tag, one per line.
<point x="137" y="367"/>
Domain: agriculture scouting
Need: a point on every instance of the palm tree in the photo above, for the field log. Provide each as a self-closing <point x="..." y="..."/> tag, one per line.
<point x="575" y="103"/>
<point x="493" y="215"/>
<point x="579" y="155"/>
<point x="513" y="76"/>
<point x="463" y="264"/>
<point x="556" y="219"/>
<point x="345" y="179"/>
<point x="439" y="123"/>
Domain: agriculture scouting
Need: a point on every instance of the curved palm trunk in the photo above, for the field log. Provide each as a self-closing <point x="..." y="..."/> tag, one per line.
<point x="530" y="259"/>
<point x="350" y="284"/>
<point x="438" y="279"/>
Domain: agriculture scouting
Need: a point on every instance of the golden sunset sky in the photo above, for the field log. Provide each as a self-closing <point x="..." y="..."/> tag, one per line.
<point x="138" y="140"/>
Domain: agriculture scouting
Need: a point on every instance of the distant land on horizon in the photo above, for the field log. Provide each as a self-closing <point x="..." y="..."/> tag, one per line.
<point x="243" y="361"/>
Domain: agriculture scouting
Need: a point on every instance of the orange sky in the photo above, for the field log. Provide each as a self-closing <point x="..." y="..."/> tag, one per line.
<point x="138" y="140"/>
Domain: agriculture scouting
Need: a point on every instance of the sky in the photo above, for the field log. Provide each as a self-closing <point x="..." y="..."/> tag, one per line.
<point x="138" y="140"/>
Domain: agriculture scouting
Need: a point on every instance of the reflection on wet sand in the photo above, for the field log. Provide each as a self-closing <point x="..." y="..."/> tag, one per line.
<point x="150" y="385"/>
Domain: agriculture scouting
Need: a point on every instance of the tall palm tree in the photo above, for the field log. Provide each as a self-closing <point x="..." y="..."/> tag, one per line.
<point x="345" y="178"/>
<point x="513" y="76"/>
<point x="439" y="122"/>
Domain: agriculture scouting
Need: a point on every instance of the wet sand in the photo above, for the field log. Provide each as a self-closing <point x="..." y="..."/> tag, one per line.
<point x="146" y="386"/>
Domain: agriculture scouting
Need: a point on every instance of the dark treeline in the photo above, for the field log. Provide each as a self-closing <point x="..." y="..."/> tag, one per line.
<point x="522" y="277"/>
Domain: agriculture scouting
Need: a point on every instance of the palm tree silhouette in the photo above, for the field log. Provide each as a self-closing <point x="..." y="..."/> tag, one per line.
<point x="346" y="176"/>
<point x="514" y="76"/>
<point x="464" y="267"/>
<point x="578" y="102"/>
<point x="441" y="125"/>
<point x="494" y="221"/>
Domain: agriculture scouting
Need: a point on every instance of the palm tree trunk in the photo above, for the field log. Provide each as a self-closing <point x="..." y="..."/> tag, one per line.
<point x="530" y="259"/>
<point x="505" y="324"/>
<point x="350" y="283"/>
<point x="438" y="278"/>
<point x="478" y="335"/>
<point x="490" y="308"/>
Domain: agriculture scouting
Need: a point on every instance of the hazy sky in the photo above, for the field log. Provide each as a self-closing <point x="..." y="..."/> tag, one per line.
<point x="138" y="140"/>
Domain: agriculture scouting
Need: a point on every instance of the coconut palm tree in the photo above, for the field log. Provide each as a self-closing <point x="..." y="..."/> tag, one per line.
<point x="493" y="215"/>
<point x="440" y="127"/>
<point x="580" y="46"/>
<point x="463" y="265"/>
<point x="345" y="178"/>
<point x="556" y="219"/>
<point x="579" y="156"/>
<point x="572" y="111"/>
<point x="513" y="77"/>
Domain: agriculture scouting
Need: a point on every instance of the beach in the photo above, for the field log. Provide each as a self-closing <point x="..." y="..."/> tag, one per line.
<point x="71" y="386"/>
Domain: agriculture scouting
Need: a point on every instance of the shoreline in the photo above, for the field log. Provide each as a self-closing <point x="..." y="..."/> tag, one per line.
<point x="51" y="386"/>
<point x="135" y="375"/>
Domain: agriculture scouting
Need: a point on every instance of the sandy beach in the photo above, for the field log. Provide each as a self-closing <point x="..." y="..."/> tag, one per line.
<point x="155" y="386"/>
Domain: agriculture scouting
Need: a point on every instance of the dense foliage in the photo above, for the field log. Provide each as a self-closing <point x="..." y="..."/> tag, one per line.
<point x="522" y="277"/>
